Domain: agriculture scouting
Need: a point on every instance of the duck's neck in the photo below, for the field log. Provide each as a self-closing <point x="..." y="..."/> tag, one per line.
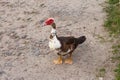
<point x="53" y="31"/>
<point x="53" y="26"/>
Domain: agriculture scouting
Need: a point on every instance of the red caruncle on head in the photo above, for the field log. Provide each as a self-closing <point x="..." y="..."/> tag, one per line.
<point x="49" y="21"/>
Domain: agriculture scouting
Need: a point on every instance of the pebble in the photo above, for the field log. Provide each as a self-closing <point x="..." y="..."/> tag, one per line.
<point x="35" y="51"/>
<point x="41" y="21"/>
<point x="42" y="5"/>
<point x="2" y="72"/>
<point x="1" y="33"/>
<point x="1" y="25"/>
<point x="21" y="78"/>
<point x="23" y="26"/>
<point x="100" y="78"/>
<point x="23" y="36"/>
<point x="29" y="19"/>
<point x="19" y="53"/>
<point x="8" y="53"/>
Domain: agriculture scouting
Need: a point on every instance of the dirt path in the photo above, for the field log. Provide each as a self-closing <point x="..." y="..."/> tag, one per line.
<point x="24" y="43"/>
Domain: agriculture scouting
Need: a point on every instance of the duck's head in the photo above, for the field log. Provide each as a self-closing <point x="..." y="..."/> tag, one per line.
<point x="51" y="22"/>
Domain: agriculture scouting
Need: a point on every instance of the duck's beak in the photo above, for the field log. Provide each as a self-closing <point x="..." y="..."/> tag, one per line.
<point x="42" y="23"/>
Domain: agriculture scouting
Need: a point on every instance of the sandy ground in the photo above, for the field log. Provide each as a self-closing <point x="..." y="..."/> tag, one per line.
<point x="24" y="51"/>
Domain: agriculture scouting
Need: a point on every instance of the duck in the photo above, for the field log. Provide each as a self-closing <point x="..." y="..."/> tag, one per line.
<point x="64" y="45"/>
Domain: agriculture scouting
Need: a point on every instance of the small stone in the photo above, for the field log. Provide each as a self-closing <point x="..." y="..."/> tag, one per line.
<point x="29" y="19"/>
<point x="21" y="46"/>
<point x="2" y="72"/>
<point x="24" y="36"/>
<point x="84" y="27"/>
<point x="35" y="51"/>
<point x="21" y="78"/>
<point x="37" y="45"/>
<point x="8" y="64"/>
<point x="100" y="78"/>
<point x="13" y="35"/>
<point x="25" y="70"/>
<point x="8" y="53"/>
<point x="1" y="37"/>
<point x="41" y="21"/>
<point x="18" y="18"/>
<point x="36" y="64"/>
<point x="8" y="58"/>
<point x="95" y="19"/>
<point x="1" y="33"/>
<point x="23" y="26"/>
<point x="1" y="25"/>
<point x="68" y="24"/>
<point x="22" y="54"/>
<point x="19" y="54"/>
<point x="42" y="5"/>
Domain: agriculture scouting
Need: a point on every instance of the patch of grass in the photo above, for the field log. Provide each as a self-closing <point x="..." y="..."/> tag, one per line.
<point x="118" y="72"/>
<point x="113" y="1"/>
<point x="116" y="58"/>
<point x="101" y="72"/>
<point x="116" y="52"/>
<point x="102" y="39"/>
<point x="116" y="49"/>
<point x="113" y="25"/>
<point x="113" y="17"/>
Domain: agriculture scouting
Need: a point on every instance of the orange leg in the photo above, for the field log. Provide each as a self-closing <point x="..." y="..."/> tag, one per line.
<point x="69" y="60"/>
<point x="59" y="60"/>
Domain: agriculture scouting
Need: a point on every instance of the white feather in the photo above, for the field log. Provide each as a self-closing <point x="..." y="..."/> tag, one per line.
<point x="53" y="31"/>
<point x="54" y="43"/>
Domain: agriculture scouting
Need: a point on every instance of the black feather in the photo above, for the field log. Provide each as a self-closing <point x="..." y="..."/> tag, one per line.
<point x="81" y="39"/>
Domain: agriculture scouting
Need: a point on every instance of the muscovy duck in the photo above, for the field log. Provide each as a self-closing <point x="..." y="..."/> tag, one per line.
<point x="64" y="45"/>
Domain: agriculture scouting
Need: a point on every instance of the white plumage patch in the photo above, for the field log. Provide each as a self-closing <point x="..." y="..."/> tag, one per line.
<point x="64" y="53"/>
<point x="54" y="43"/>
<point x="53" y="31"/>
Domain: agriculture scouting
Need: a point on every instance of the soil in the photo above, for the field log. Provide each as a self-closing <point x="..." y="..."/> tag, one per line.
<point x="24" y="51"/>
